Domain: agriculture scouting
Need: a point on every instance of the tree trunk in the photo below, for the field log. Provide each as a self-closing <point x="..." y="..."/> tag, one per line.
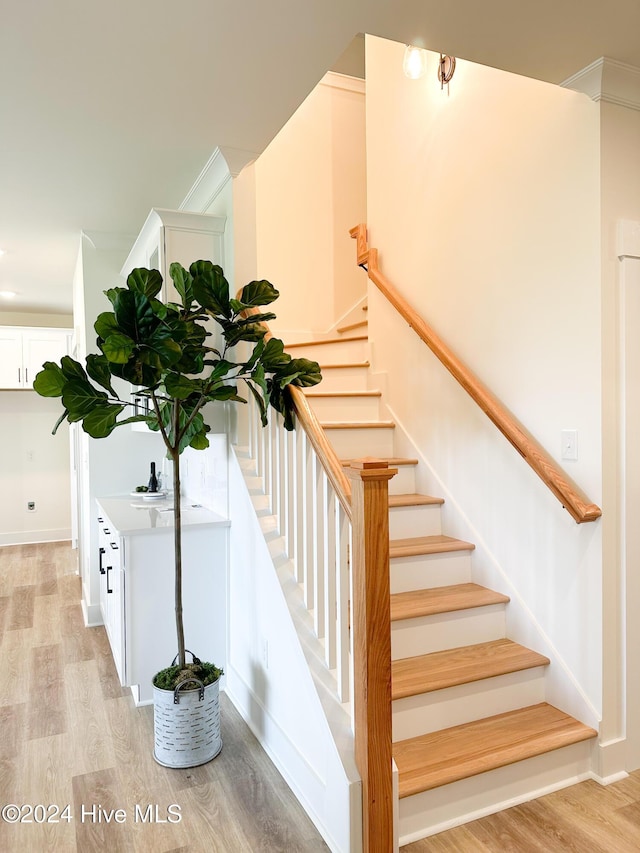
<point x="177" y="542"/>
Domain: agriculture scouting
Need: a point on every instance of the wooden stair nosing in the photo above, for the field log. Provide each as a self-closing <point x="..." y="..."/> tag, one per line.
<point x="324" y="341"/>
<point x="463" y="665"/>
<point x="351" y="326"/>
<point x="367" y="393"/>
<point x="442" y="599"/>
<point x="413" y="500"/>
<point x="358" y="425"/>
<point x="449" y="755"/>
<point x="345" y="365"/>
<point x="419" y="545"/>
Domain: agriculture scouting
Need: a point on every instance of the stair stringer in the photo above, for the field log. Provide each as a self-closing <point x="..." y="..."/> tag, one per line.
<point x="271" y="670"/>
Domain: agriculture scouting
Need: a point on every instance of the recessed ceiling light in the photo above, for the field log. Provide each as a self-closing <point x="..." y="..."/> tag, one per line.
<point x="8" y="294"/>
<point x="2" y="252"/>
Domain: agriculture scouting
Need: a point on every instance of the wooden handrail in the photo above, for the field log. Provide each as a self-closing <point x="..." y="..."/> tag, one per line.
<point x="317" y="436"/>
<point x="570" y="495"/>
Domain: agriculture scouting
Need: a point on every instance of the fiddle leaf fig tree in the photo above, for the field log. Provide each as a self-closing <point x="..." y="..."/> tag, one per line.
<point x="162" y="350"/>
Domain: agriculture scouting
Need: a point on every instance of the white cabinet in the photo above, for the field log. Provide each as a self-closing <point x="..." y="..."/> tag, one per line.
<point x="23" y="351"/>
<point x="174" y="235"/>
<point x="112" y="592"/>
<point x="137" y="584"/>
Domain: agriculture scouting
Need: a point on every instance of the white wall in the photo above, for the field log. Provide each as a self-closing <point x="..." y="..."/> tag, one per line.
<point x="34" y="465"/>
<point x="484" y="204"/>
<point x="310" y="189"/>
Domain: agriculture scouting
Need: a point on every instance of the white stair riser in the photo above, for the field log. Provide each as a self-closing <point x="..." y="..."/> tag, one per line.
<point x="344" y="379"/>
<point x="408" y="521"/>
<point x="345" y="408"/>
<point x="356" y="443"/>
<point x="404" y="482"/>
<point x="426" y="634"/>
<point x="455" y="706"/>
<point x="428" y="570"/>
<point x="340" y="352"/>
<point x="433" y="811"/>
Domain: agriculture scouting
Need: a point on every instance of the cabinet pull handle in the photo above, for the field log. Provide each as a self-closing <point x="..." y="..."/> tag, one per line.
<point x="108" y="570"/>
<point x="114" y="546"/>
<point x="18" y="376"/>
<point x="100" y="553"/>
<point x="100" y="519"/>
<point x="26" y="376"/>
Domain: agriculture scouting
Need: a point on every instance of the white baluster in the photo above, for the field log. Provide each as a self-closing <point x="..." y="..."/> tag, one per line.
<point x="330" y="612"/>
<point x="320" y="549"/>
<point x="343" y="617"/>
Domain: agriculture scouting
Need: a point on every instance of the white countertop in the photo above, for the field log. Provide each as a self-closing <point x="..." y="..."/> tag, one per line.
<point x="129" y="515"/>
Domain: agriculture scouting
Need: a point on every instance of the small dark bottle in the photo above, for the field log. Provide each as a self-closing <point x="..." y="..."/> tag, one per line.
<point x="153" y="480"/>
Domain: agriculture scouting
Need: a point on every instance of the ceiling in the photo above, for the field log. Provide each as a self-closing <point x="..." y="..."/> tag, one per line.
<point x="108" y="110"/>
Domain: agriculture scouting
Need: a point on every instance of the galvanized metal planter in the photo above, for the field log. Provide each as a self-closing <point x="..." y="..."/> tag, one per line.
<point x="186" y="724"/>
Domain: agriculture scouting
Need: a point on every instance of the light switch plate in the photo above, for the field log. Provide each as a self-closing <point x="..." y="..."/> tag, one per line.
<point x="569" y="439"/>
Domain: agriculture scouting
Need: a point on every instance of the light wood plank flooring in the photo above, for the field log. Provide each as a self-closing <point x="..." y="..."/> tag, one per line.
<point x="70" y="734"/>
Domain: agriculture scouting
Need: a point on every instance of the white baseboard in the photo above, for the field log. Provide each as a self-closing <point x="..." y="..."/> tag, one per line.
<point x="91" y="614"/>
<point x="610" y="761"/>
<point x="30" y="537"/>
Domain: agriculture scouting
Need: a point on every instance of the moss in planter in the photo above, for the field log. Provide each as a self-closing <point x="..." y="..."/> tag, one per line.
<point x="169" y="678"/>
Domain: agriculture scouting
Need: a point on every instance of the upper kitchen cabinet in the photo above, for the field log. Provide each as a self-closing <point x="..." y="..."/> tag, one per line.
<point x="174" y="235"/>
<point x="24" y="350"/>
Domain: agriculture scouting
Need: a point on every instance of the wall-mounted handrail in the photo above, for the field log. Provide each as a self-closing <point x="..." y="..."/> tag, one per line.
<point x="570" y="495"/>
<point x="317" y="436"/>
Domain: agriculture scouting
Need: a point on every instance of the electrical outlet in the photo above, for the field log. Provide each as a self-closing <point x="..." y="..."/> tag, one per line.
<point x="31" y="506"/>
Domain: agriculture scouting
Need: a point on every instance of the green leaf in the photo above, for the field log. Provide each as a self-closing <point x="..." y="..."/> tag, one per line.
<point x="224" y="392"/>
<point x="233" y="332"/>
<point x="258" y="293"/>
<point x="50" y="381"/>
<point x="72" y="369"/>
<point x="199" y="441"/>
<point x="181" y="387"/>
<point x="81" y="398"/>
<point x="274" y="355"/>
<point x="98" y="370"/>
<point x="299" y="371"/>
<point x="134" y="315"/>
<point x="183" y="283"/>
<point x="106" y="324"/>
<point x="257" y="318"/>
<point x="211" y="288"/>
<point x="147" y="282"/>
<point x="118" y="348"/>
<point x="101" y="421"/>
<point x="262" y="405"/>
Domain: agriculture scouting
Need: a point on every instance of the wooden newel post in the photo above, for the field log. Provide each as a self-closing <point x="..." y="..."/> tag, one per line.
<point x="372" y="648"/>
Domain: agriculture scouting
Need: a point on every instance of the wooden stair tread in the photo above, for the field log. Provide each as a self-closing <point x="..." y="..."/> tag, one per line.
<point x="351" y="326"/>
<point x="357" y="425"/>
<point x="449" y="668"/>
<point x="372" y="393"/>
<point x="345" y="366"/>
<point x="456" y="753"/>
<point x="392" y="461"/>
<point x="325" y="341"/>
<point x="442" y="599"/>
<point x="414" y="500"/>
<point x="427" y="545"/>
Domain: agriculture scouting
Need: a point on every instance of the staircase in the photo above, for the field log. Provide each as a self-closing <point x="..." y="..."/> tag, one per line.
<point x="471" y="730"/>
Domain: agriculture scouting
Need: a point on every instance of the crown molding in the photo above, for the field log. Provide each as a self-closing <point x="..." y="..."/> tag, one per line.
<point x="343" y="81"/>
<point x="224" y="164"/>
<point x="610" y="81"/>
<point x="628" y="239"/>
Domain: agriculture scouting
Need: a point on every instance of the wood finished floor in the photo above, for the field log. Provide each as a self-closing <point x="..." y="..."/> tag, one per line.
<point x="70" y="734"/>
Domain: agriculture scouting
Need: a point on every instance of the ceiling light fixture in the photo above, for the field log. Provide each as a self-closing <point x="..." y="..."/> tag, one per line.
<point x="414" y="63"/>
<point x="8" y="294"/>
